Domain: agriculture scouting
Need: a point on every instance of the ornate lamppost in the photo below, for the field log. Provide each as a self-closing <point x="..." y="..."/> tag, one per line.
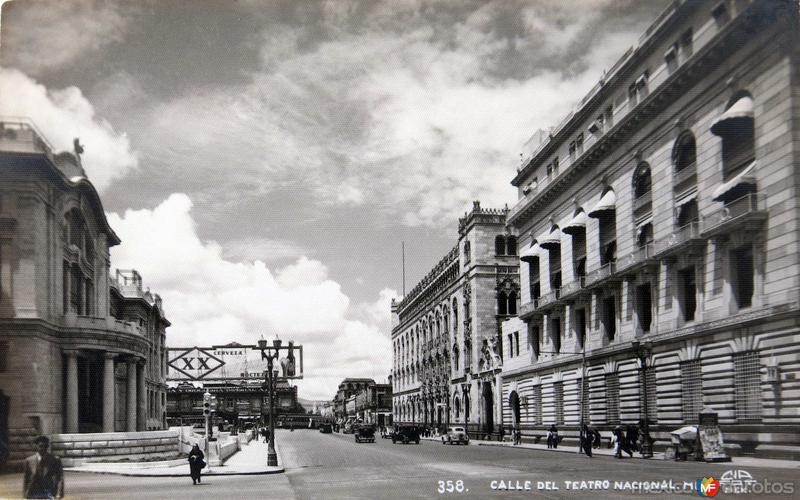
<point x="271" y="354"/>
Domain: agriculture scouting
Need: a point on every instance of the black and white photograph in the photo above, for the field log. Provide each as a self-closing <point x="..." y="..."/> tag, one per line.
<point x="399" y="249"/>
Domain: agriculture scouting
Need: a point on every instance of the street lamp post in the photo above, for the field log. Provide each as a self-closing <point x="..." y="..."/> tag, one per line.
<point x="271" y="379"/>
<point x="642" y="351"/>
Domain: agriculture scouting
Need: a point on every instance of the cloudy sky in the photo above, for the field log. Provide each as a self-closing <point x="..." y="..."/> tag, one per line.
<point x="262" y="161"/>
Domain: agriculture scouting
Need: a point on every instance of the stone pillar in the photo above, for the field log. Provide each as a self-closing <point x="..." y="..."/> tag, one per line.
<point x="108" y="392"/>
<point x="141" y="392"/>
<point x="72" y="392"/>
<point x="158" y="410"/>
<point x="131" y="406"/>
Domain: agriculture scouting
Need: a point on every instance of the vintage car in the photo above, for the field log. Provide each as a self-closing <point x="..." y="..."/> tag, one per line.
<point x="406" y="434"/>
<point x="364" y="433"/>
<point x="326" y="428"/>
<point x="386" y="432"/>
<point x="455" y="435"/>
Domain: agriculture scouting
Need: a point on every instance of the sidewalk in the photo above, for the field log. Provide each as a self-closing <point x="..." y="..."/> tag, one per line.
<point x="607" y="452"/>
<point x="250" y="460"/>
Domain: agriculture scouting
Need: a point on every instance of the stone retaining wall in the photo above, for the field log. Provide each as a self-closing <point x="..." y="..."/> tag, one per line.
<point x="75" y="449"/>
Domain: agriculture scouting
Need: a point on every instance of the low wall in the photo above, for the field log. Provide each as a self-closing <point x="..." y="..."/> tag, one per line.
<point x="75" y="449"/>
<point x="223" y="451"/>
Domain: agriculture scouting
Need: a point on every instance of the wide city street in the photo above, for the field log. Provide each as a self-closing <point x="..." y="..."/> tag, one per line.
<point x="330" y="466"/>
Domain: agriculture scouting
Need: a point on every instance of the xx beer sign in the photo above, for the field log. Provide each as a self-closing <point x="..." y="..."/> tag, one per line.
<point x="195" y="362"/>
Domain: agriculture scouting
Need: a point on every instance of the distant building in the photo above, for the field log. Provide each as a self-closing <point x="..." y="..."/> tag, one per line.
<point x="660" y="224"/>
<point x="446" y="344"/>
<point x="79" y="351"/>
<point x="348" y="388"/>
<point x="237" y="402"/>
<point x="373" y="404"/>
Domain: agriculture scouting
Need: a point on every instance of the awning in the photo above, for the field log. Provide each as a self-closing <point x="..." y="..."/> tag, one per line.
<point x="551" y="239"/>
<point x="742" y="184"/>
<point x="576" y="225"/>
<point x="608" y="203"/>
<point x="531" y="253"/>
<point x="735" y="116"/>
<point x="685" y="199"/>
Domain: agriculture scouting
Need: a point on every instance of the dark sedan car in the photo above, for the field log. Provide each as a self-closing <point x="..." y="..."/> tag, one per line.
<point x="406" y="434"/>
<point x="326" y="428"/>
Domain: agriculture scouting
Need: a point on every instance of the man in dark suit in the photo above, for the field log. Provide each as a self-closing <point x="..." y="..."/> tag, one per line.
<point x="44" y="476"/>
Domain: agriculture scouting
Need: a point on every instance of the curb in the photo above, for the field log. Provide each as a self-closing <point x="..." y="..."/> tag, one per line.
<point x="279" y="470"/>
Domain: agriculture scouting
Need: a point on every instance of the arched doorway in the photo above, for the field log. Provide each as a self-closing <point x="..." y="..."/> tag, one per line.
<point x="488" y="408"/>
<point x="513" y="403"/>
<point x="438" y="417"/>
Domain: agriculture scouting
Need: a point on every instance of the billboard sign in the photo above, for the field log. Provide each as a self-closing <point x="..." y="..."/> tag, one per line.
<point x="233" y="362"/>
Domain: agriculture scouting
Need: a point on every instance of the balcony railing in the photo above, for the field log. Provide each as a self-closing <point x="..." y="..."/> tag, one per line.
<point x="678" y="239"/>
<point x="528" y="308"/>
<point x="549" y="298"/>
<point x="636" y="258"/>
<point x="573" y="287"/>
<point x="601" y="273"/>
<point x="748" y="208"/>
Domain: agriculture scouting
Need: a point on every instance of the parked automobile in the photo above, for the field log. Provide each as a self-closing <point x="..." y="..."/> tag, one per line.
<point x="386" y="432"/>
<point x="406" y="434"/>
<point x="455" y="435"/>
<point x="326" y="428"/>
<point x="364" y="433"/>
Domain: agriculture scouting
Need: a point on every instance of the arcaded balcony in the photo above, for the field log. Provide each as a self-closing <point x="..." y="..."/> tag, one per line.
<point x="746" y="213"/>
<point x="19" y="135"/>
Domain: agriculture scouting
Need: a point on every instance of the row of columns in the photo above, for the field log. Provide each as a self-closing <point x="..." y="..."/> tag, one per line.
<point x="136" y="400"/>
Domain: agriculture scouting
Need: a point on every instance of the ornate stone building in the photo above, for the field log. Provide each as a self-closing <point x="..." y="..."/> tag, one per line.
<point x="660" y="224"/>
<point x="447" y="355"/>
<point x="79" y="351"/>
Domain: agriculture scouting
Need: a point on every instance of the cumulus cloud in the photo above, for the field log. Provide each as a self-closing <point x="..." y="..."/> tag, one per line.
<point x="42" y="35"/>
<point x="390" y="104"/>
<point x="211" y="300"/>
<point x="63" y="114"/>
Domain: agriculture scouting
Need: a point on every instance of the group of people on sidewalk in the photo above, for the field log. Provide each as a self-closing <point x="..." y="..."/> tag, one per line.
<point x="626" y="439"/>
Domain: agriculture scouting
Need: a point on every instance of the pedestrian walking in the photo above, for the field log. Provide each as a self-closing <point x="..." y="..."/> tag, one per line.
<point x="44" y="475"/>
<point x="631" y="436"/>
<point x="586" y="438"/>
<point x="517" y="436"/>
<point x="552" y="437"/>
<point x="196" y="463"/>
<point x="598" y="439"/>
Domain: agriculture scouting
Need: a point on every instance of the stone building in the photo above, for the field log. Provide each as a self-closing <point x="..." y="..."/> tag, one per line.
<point x="348" y="388"/>
<point x="76" y="353"/>
<point x="660" y="224"/>
<point x="447" y="354"/>
<point x="373" y="404"/>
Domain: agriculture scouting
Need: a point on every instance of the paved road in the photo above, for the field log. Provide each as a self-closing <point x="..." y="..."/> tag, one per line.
<point x="324" y="466"/>
<point x="333" y="466"/>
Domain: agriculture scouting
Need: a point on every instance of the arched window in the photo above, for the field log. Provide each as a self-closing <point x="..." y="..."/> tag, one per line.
<point x="500" y="245"/>
<point x="467" y="251"/>
<point x="455" y="317"/>
<point x="684" y="154"/>
<point x="455" y="355"/>
<point x="457" y="406"/>
<point x="511" y="245"/>
<point x="641" y="181"/>
<point x="688" y="213"/>
<point x="512" y="303"/>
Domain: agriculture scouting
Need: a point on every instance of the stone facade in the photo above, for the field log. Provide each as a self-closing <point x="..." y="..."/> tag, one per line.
<point x="348" y="388"/>
<point x="447" y="352"/>
<point x="73" y="356"/>
<point x="660" y="224"/>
